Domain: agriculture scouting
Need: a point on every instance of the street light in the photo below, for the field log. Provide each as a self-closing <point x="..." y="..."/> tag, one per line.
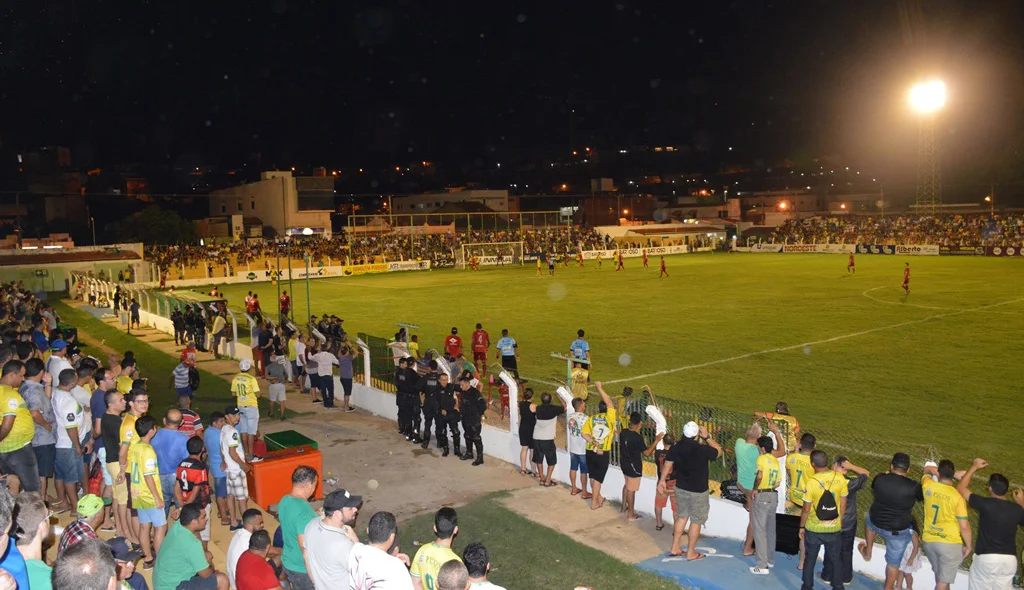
<point x="927" y="99"/>
<point x="991" y="204"/>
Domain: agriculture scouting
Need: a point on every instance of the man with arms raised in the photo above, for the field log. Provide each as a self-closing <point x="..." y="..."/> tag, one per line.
<point x="890" y="516"/>
<point x="688" y="460"/>
<point x="995" y="559"/>
<point x="946" y="537"/>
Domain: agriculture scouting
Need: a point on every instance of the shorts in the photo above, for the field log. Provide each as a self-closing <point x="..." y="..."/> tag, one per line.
<point x="945" y="559"/>
<point x="184" y="391"/>
<point x="153" y="516"/>
<point x="249" y="420"/>
<point x="238" y="486"/>
<point x="167" y="481"/>
<point x="68" y="466"/>
<point x="198" y="582"/>
<point x="632" y="484"/>
<point x="526" y="439"/>
<point x="22" y="462"/>
<point x="45" y="456"/>
<point x="510" y="363"/>
<point x="544" y="450"/>
<point x="895" y="543"/>
<point x="660" y="501"/>
<point x="597" y="465"/>
<point x="220" y="487"/>
<point x="101" y="456"/>
<point x="276" y="392"/>
<point x="120" y="492"/>
<point x="297" y="369"/>
<point x="480" y="358"/>
<point x="578" y="463"/>
<point x="692" y="506"/>
<point x="991" y="571"/>
<point x="314" y="381"/>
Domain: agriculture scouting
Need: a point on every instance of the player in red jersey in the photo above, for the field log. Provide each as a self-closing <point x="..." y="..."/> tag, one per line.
<point x="481" y="344"/>
<point x="850" y="268"/>
<point x="663" y="272"/>
<point x="474" y="264"/>
<point x="620" y="266"/>
<point x="453" y="345"/>
<point x="645" y="257"/>
<point x="579" y="259"/>
<point x="906" y="278"/>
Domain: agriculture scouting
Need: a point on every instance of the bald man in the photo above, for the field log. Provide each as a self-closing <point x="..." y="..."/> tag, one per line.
<point x="170" y="446"/>
<point x="453" y="575"/>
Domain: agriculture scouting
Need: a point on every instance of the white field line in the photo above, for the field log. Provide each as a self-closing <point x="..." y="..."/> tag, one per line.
<point x="866" y="294"/>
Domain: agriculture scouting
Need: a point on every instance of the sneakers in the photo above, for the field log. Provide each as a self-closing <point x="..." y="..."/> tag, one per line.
<point x="255" y="459"/>
<point x="757" y="571"/>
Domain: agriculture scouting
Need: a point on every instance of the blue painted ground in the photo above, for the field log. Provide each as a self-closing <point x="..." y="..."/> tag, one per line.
<point x="725" y="568"/>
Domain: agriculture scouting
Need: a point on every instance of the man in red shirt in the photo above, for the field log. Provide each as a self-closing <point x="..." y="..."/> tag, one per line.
<point x="906" y="278"/>
<point x="453" y="345"/>
<point x="192" y="484"/>
<point x="188" y="356"/>
<point x="850" y="268"/>
<point x="664" y="271"/>
<point x="481" y="344"/>
<point x="253" y="572"/>
<point x="645" y="257"/>
<point x="286" y="304"/>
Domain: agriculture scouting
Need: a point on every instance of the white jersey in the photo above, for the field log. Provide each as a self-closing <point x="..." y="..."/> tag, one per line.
<point x="229" y="439"/>
<point x="69" y="415"/>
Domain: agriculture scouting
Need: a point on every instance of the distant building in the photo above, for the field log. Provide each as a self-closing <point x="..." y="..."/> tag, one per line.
<point x="51" y="177"/>
<point x="283" y="203"/>
<point x="495" y="200"/>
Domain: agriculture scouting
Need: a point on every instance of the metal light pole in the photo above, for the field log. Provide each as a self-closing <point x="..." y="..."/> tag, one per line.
<point x="291" y="289"/>
<point x="277" y="278"/>
<point x="927" y="99"/>
<point x="307" y="232"/>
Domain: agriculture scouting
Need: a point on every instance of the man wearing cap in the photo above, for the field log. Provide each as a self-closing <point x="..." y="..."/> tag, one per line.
<point x="430" y="386"/>
<point x="294" y="513"/>
<point x="688" y="460"/>
<point x="453" y="345"/>
<point x="126" y="558"/>
<point x="329" y="540"/>
<point x="246" y="389"/>
<point x="17" y="428"/>
<point x="90" y="515"/>
<point x="890" y="515"/>
<point x="34" y="524"/>
<point x="58" y="360"/>
<point x="233" y="462"/>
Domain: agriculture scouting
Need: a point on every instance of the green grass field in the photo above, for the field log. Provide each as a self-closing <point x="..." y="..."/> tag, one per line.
<point x="850" y="354"/>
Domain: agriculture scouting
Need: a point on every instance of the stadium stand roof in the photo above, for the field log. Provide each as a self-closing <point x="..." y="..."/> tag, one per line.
<point x="49" y="257"/>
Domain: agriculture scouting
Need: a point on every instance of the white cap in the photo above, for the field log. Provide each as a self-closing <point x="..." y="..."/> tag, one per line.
<point x="244" y="365"/>
<point x="691" y="429"/>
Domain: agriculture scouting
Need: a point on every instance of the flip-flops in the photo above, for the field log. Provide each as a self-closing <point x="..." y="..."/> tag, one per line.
<point x="699" y="557"/>
<point x="547" y="484"/>
<point x="574" y="492"/>
<point x="586" y="495"/>
<point x="659" y="527"/>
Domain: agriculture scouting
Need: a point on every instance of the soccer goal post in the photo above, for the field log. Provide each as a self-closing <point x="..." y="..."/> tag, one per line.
<point x="489" y="254"/>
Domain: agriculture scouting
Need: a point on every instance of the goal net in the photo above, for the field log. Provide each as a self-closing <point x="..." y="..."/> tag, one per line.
<point x="490" y="254"/>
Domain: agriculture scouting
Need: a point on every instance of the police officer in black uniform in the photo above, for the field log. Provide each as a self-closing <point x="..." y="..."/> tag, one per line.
<point x="178" y="319"/>
<point x="414" y="398"/>
<point x="473" y="406"/>
<point x="430" y="386"/>
<point x="448" y="416"/>
<point x="402" y="400"/>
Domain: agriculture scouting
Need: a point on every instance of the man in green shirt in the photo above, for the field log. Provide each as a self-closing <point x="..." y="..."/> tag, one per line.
<point x="33" y="521"/>
<point x="181" y="563"/>
<point x="294" y="513"/>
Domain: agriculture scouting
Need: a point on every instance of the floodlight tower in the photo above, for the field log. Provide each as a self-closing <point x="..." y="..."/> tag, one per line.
<point x="927" y="99"/>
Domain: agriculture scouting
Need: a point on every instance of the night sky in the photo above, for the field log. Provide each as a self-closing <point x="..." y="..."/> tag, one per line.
<point x="391" y="81"/>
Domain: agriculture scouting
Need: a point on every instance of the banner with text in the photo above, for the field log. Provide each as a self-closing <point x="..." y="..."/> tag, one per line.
<point x="362" y="269"/>
<point x="408" y="265"/>
<point x="819" y="248"/>
<point x="1004" y="251"/>
<point x="961" y="251"/>
<point x="866" y="249"/>
<point x="765" y="248"/>
<point x="929" y="250"/>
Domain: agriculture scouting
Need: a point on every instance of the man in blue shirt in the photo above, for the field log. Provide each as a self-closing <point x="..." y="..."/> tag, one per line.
<point x="171" y="449"/>
<point x="508" y="353"/>
<point x="11" y="559"/>
<point x="39" y="335"/>
<point x="211" y="435"/>
<point x="579" y="348"/>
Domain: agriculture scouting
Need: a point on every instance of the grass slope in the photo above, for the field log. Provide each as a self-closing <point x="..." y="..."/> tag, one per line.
<point x="923" y="369"/>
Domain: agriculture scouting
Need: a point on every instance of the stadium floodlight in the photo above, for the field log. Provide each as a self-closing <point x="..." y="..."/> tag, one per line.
<point x="307" y="231"/>
<point x="928" y="97"/>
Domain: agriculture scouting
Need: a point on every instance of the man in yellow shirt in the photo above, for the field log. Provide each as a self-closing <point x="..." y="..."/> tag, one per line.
<point x="798" y="471"/>
<point x="430" y="557"/>
<point x="246" y="389"/>
<point x="17" y="428"/>
<point x="946" y="535"/>
<point x="127" y="376"/>
<point x="821" y="520"/>
<point x="764" y="502"/>
<point x="598" y="431"/>
<point x="147" y="495"/>
<point x="138" y="404"/>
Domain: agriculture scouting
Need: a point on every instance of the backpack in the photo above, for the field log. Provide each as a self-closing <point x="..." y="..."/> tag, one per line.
<point x="827" y="508"/>
<point x="193" y="378"/>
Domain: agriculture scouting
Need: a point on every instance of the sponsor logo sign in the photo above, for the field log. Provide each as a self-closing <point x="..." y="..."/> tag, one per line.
<point x="870" y="249"/>
<point x="800" y="248"/>
<point x="362" y="269"/>
<point x="913" y="250"/>
<point x="766" y="248"/>
<point x="961" y="251"/>
<point x="408" y="265"/>
<point x="251" y="276"/>
<point x="1004" y="251"/>
<point x="443" y="263"/>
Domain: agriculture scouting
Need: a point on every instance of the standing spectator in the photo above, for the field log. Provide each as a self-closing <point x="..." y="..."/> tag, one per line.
<point x="747" y="452"/>
<point x="88" y="565"/>
<point x="821" y="520"/>
<point x="234" y="465"/>
<point x="188" y="355"/>
<point x="58" y="359"/>
<point x="580" y="348"/>
<point x="246" y="389"/>
<point x="110" y="435"/>
<point x="430" y="557"/>
<point x="252" y="522"/>
<point x="632" y="449"/>
<point x="325" y="362"/>
<point x="328" y="541"/>
<point x="191" y="423"/>
<point x="146" y="492"/>
<point x="134" y="308"/>
<point x="294" y="513"/>
<point x="297" y="356"/>
<point x="890" y="515"/>
<point x="345" y="374"/>
<point x="266" y="342"/>
<point x="178" y="320"/>
<point x="544" y="437"/>
<point x="183" y="564"/>
<point x="11" y="559"/>
<point x="472" y="408"/>
<point x="598" y="431"/>
<point x="310" y="367"/>
<point x="453" y="575"/>
<point x="105" y="382"/>
<point x="90" y="515"/>
<point x="995" y="559"/>
<point x="277" y="377"/>
<point x="764" y="500"/>
<point x="577" y="448"/>
<point x="170" y="446"/>
<point x="854" y="484"/>
<point x="254" y="572"/>
<point x="254" y="342"/>
<point x="946" y="538"/>
<point x="72" y="440"/>
<point x="527" y="424"/>
<point x="34" y="524"/>
<point x="478" y="564"/>
<point x="218" y="331"/>
<point x="180" y="380"/>
<point x="191" y="484"/>
<point x="688" y="461"/>
<point x="215" y="460"/>
<point x="799" y="472"/>
<point x="378" y="564"/>
<point x="669" y="495"/>
<point x="793" y="426"/>
<point x="18" y="427"/>
<point x="508" y="354"/>
<point x="36" y="391"/>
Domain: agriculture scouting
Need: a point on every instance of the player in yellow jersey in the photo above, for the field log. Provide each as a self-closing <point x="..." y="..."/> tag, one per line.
<point x="946" y="535"/>
<point x="147" y="495"/>
<point x="246" y="389"/>
<point x="138" y="404"/>
<point x="430" y="557"/>
<point x="16" y="448"/>
<point x="764" y="502"/>
<point x="799" y="470"/>
<point x="598" y="259"/>
<point x="540" y="264"/>
<point x="579" y="378"/>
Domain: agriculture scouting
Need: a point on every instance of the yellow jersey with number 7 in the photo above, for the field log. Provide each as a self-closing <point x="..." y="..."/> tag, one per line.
<point x="245" y="387"/>
<point x="798" y="467"/>
<point x="944" y="508"/>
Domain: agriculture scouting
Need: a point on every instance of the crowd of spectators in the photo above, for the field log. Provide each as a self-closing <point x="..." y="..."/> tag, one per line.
<point x="975" y="229"/>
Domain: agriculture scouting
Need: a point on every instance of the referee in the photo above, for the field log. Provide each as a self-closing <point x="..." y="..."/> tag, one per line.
<point x="508" y="353"/>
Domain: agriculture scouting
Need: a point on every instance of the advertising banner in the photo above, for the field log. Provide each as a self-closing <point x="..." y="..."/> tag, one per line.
<point x="800" y="248"/>
<point x="408" y="265"/>
<point x="766" y="248"/>
<point x="961" y="251"/>
<point x="1004" y="251"/>
<point x="362" y="269"/>
<point x="912" y="250"/>
<point x="866" y="249"/>
<point x="835" y="248"/>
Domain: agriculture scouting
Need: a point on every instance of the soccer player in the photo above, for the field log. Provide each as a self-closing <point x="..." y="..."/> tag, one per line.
<point x="453" y="345"/>
<point x="474" y="263"/>
<point x="850" y="268"/>
<point x="481" y="342"/>
<point x="551" y="264"/>
<point x="906" y="278"/>
<point x="598" y="259"/>
<point x="644" y="252"/>
<point x="663" y="273"/>
<point x="565" y="260"/>
<point x="620" y="266"/>
<point x="539" y="264"/>
<point x="579" y="259"/>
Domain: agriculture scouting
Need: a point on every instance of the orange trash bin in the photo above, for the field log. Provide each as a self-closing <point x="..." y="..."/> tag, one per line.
<point x="271" y="478"/>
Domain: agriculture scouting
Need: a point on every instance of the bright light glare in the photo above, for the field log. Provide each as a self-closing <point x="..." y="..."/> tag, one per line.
<point x="928" y="97"/>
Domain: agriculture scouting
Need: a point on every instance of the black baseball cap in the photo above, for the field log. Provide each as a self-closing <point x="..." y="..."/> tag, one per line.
<point x="455" y="330"/>
<point x="339" y="499"/>
<point x="231" y="411"/>
<point x="122" y="550"/>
